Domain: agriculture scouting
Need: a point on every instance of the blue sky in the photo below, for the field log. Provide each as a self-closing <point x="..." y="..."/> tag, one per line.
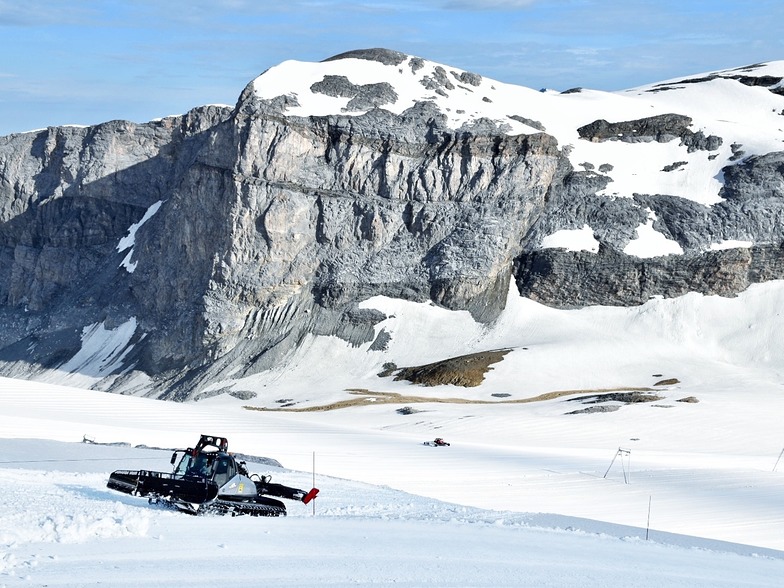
<point x="84" y="62"/>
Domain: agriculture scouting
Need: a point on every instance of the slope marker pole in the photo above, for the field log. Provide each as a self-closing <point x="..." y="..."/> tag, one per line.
<point x="314" y="481"/>
<point x="648" y="526"/>
<point x="611" y="464"/>
<point x="779" y="459"/>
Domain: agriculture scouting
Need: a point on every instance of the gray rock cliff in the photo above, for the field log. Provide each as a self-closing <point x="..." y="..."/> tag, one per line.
<point x="270" y="227"/>
<point x="217" y="241"/>
<point x="752" y="211"/>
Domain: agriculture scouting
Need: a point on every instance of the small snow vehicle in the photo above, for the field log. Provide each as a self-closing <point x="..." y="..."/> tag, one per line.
<point x="208" y="478"/>
<point x="437" y="442"/>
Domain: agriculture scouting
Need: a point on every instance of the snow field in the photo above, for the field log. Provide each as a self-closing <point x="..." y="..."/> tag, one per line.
<point x="526" y="495"/>
<point x="75" y="532"/>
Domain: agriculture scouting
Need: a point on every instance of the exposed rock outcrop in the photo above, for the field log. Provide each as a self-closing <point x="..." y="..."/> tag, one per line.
<point x="752" y="211"/>
<point x="661" y="128"/>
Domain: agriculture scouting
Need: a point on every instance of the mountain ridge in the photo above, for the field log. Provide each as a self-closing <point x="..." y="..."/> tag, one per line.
<point x="373" y="173"/>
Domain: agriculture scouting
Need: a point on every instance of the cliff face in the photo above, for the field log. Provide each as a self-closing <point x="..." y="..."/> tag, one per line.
<point x="265" y="228"/>
<point x="750" y="215"/>
<point x="162" y="257"/>
<point x="69" y="196"/>
<point x="311" y="216"/>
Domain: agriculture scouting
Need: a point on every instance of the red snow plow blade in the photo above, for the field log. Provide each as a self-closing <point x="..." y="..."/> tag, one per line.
<point x="310" y="495"/>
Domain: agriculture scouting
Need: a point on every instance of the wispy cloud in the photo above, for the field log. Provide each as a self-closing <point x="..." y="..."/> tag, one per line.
<point x="488" y="4"/>
<point x="34" y="13"/>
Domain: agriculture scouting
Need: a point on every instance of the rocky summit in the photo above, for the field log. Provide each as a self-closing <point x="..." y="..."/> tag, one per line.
<point x="161" y="258"/>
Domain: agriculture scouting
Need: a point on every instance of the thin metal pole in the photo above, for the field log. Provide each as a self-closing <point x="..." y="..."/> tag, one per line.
<point x="612" y="462"/>
<point x="629" y="467"/>
<point x="623" y="468"/>
<point x="648" y="526"/>
<point x="314" y="482"/>
<point x="779" y="459"/>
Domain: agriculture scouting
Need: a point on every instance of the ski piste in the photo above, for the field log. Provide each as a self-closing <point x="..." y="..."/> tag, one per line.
<point x="207" y="478"/>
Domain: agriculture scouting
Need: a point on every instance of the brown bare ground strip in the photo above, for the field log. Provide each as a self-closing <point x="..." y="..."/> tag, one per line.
<point x="369" y="397"/>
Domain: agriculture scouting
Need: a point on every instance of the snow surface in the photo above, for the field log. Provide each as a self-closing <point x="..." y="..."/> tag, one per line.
<point x="129" y="240"/>
<point x="731" y="244"/>
<point x="572" y="240"/>
<point x="650" y="242"/>
<point x="526" y="495"/>
<point x="102" y="354"/>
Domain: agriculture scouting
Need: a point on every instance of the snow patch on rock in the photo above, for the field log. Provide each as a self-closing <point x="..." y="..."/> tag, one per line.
<point x="129" y="240"/>
<point x="103" y="352"/>
<point x="651" y="243"/>
<point x="572" y="240"/>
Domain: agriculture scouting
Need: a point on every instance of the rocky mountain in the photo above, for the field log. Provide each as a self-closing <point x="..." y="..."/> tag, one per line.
<point x="164" y="258"/>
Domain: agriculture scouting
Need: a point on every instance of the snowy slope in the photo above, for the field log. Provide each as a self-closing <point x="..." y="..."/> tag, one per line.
<point x="526" y="495"/>
<point x="60" y="526"/>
